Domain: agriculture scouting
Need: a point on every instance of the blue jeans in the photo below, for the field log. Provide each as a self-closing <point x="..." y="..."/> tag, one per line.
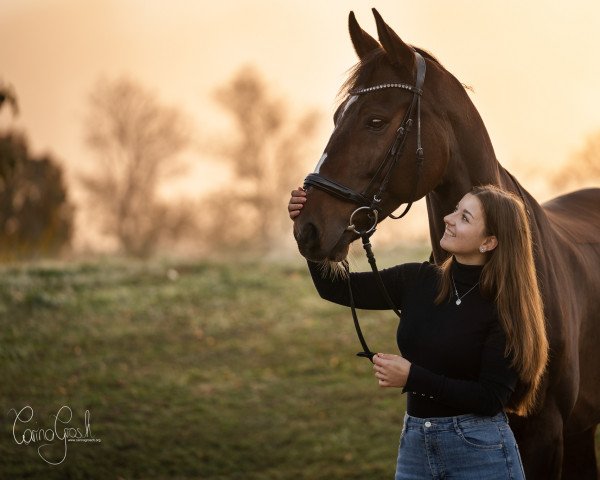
<point x="464" y="447"/>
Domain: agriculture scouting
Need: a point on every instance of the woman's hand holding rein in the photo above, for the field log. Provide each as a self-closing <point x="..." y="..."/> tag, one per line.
<point x="391" y="370"/>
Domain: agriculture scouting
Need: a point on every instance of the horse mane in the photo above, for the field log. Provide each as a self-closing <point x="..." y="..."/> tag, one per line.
<point x="358" y="74"/>
<point x="428" y="55"/>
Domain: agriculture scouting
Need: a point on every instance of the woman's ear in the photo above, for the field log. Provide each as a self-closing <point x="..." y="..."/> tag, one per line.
<point x="489" y="244"/>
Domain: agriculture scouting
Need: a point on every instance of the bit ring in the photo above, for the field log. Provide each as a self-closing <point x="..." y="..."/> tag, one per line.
<point x="352" y="227"/>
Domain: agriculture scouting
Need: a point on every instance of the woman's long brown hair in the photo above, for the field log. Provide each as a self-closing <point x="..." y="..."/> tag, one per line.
<point x="509" y="277"/>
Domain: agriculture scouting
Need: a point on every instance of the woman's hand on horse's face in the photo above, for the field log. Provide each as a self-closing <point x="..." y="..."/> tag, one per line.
<point x="391" y="370"/>
<point x="296" y="202"/>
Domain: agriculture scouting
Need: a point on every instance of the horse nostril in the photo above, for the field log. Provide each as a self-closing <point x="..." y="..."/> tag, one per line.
<point x="308" y="236"/>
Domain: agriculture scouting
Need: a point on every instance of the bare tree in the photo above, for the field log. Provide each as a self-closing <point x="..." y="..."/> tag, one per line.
<point x="137" y="141"/>
<point x="267" y="154"/>
<point x="583" y="167"/>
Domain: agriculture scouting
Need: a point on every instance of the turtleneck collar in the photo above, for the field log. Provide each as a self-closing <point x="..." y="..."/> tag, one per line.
<point x="465" y="274"/>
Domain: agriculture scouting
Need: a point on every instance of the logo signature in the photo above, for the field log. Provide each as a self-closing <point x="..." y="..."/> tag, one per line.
<point x="61" y="431"/>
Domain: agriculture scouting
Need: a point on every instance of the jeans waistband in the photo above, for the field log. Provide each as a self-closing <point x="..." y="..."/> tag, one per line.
<point x="447" y="423"/>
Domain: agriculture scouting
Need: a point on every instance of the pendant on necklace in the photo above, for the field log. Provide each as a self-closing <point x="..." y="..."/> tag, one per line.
<point x="458" y="299"/>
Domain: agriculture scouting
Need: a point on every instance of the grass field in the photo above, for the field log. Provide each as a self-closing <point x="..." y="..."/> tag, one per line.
<point x="207" y="370"/>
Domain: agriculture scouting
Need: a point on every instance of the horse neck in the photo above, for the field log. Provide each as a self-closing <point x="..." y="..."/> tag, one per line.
<point x="472" y="161"/>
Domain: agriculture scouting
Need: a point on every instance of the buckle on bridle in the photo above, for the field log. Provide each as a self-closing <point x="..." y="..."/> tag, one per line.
<point x="374" y="217"/>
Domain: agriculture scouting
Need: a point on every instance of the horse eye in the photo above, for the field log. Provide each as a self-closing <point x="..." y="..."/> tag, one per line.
<point x="376" y="123"/>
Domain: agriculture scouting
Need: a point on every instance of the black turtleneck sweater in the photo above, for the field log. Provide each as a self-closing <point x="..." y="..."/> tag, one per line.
<point x="456" y="352"/>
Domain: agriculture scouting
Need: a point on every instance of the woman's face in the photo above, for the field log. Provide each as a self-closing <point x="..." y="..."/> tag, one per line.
<point x="465" y="232"/>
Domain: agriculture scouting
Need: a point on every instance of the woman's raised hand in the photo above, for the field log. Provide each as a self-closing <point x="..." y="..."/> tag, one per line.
<point x="296" y="202"/>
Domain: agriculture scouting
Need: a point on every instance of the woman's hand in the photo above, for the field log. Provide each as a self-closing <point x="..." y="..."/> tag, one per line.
<point x="391" y="370"/>
<point x="296" y="202"/>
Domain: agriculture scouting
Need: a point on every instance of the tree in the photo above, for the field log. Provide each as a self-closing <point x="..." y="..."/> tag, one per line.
<point x="266" y="154"/>
<point x="36" y="217"/>
<point x="583" y="167"/>
<point x="137" y="141"/>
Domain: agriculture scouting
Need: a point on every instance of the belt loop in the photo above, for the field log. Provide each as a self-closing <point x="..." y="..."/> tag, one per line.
<point x="502" y="415"/>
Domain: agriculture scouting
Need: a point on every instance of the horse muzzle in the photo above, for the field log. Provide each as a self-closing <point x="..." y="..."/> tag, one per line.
<point x="313" y="247"/>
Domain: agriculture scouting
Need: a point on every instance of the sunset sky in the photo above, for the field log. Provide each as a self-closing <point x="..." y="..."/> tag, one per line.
<point x="534" y="66"/>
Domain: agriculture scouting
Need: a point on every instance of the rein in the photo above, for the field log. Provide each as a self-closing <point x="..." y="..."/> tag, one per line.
<point x="372" y="207"/>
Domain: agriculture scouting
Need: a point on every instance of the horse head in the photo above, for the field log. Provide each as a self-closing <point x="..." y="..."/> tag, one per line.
<point x="363" y="151"/>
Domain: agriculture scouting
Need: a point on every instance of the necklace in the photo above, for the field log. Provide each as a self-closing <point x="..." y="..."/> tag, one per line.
<point x="459" y="298"/>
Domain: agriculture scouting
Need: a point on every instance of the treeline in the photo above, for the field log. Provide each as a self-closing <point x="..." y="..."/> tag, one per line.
<point x="137" y="144"/>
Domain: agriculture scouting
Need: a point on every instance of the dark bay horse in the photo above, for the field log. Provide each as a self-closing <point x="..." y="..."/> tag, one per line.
<point x="558" y="440"/>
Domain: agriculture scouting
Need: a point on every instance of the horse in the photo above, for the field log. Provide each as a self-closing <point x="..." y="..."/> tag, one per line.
<point x="557" y="440"/>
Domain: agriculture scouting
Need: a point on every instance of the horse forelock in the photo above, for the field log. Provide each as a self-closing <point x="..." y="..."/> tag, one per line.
<point x="361" y="71"/>
<point x="428" y="55"/>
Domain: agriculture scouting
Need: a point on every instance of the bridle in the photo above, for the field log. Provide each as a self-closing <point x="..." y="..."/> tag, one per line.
<point x="372" y="205"/>
<point x="390" y="159"/>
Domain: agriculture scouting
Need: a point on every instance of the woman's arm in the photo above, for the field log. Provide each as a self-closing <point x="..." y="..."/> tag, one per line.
<point x="364" y="288"/>
<point x="487" y="395"/>
<point x="365" y="291"/>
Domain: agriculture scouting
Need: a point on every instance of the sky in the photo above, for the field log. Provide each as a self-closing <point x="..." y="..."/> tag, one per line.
<point x="533" y="65"/>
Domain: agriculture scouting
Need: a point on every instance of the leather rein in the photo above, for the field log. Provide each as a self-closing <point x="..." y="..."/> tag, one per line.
<point x="372" y="205"/>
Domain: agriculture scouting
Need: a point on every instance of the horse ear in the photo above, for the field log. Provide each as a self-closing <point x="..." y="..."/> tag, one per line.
<point x="362" y="41"/>
<point x="399" y="52"/>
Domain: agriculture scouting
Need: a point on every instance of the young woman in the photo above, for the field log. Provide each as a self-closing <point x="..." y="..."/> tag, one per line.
<point x="472" y="338"/>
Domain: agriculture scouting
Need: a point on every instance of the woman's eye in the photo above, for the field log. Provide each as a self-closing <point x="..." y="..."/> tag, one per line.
<point x="464" y="217"/>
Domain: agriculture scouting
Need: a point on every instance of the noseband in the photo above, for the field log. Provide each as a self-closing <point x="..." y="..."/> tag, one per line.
<point x="372" y="206"/>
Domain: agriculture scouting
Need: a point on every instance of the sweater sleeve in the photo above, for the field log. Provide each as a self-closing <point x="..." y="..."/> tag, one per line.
<point x="364" y="286"/>
<point x="487" y="395"/>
